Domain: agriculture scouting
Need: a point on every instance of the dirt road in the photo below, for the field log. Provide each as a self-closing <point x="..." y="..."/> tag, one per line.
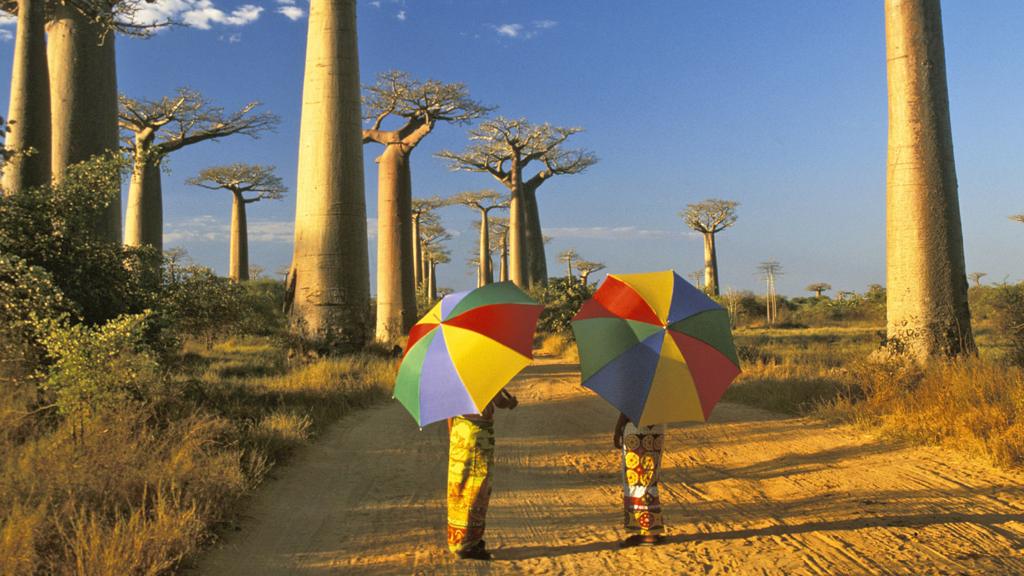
<point x="750" y="493"/>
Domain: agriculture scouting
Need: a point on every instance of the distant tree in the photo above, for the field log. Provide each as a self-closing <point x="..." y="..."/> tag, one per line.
<point x="818" y="288"/>
<point x="418" y="106"/>
<point x="976" y="277"/>
<point x="696" y="277"/>
<point x="1017" y="217"/>
<point x="157" y="128"/>
<point x="255" y="271"/>
<point x="709" y="218"/>
<point x="260" y="183"/>
<point x="434" y="253"/>
<point x="566" y="257"/>
<point x="503" y="148"/>
<point x="499" y="233"/>
<point x="483" y="202"/>
<point x="586" y="268"/>
<point x="174" y="259"/>
<point x="770" y="269"/>
<point x="420" y="207"/>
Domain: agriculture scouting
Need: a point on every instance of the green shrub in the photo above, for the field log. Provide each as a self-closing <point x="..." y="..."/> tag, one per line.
<point x="1008" y="314"/>
<point x="562" y="299"/>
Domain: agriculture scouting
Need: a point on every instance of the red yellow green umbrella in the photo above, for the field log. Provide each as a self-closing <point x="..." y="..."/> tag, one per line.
<point x="655" y="347"/>
<point x="464" y="351"/>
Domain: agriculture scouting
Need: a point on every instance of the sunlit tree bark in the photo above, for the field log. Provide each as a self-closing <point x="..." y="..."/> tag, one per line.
<point x="926" y="283"/>
<point x="29" y="110"/>
<point x="483" y="202"/>
<point x="328" y="288"/>
<point x="709" y="218"/>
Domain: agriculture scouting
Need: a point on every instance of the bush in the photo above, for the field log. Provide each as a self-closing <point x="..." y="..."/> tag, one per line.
<point x="562" y="299"/>
<point x="1008" y="314"/>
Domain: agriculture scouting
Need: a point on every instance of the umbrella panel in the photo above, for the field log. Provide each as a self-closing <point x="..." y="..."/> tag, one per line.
<point x="687" y="301"/>
<point x="510" y="324"/>
<point x="655" y="288"/>
<point x="605" y="338"/>
<point x="712" y="370"/>
<point x="673" y="394"/>
<point x="483" y="365"/>
<point x="625" y="381"/>
<point x="712" y="328"/>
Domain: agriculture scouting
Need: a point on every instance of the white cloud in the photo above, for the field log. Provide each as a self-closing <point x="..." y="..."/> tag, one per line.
<point x="201" y="14"/>
<point x="207" y="228"/>
<point x="232" y="38"/>
<point x="401" y="15"/>
<point x="293" y="13"/>
<point x="509" y="30"/>
<point x="288" y="2"/>
<point x="8" y="19"/>
<point x="544" y="24"/>
<point x="611" y="233"/>
<point x="375" y="3"/>
<point x="6" y="36"/>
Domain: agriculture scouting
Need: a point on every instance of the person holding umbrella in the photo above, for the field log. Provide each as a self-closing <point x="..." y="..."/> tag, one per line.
<point x="457" y="361"/>
<point x="659" y="350"/>
<point x="470" y="463"/>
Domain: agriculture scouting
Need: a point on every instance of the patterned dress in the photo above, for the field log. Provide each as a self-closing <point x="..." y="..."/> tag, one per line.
<point x="470" y="459"/>
<point x="641" y="464"/>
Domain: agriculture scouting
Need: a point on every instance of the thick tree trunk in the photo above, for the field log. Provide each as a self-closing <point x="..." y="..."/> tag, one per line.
<point x="29" y="111"/>
<point x="927" y="307"/>
<point x="83" y="98"/>
<point x="396" y="283"/>
<point x="535" y="257"/>
<point x="144" y="218"/>
<point x="518" y="271"/>
<point x="417" y="252"/>
<point x="710" y="265"/>
<point x="483" y="274"/>
<point x="238" y="267"/>
<point x="432" y="280"/>
<point x="330" y="287"/>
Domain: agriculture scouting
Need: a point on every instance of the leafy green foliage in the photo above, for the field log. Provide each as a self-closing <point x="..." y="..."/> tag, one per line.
<point x="55" y="227"/>
<point x="201" y="304"/>
<point x="1008" y="304"/>
<point x="100" y="368"/>
<point x="562" y="299"/>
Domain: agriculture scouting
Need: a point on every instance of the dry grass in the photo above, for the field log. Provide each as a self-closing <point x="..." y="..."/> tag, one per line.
<point x="559" y="346"/>
<point x="974" y="404"/>
<point x="138" y="490"/>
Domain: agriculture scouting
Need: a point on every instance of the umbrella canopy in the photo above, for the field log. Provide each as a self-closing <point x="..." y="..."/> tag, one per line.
<point x="465" y="350"/>
<point x="655" y="347"/>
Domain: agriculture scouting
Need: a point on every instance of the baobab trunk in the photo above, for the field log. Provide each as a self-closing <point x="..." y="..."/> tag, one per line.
<point x="710" y="265"/>
<point x="29" y="111"/>
<point x="484" y="273"/>
<point x="432" y="280"/>
<point x="926" y="303"/>
<point x="535" y="257"/>
<point x="144" y="217"/>
<point x="329" y="281"/>
<point x="503" y="270"/>
<point x="417" y="252"/>
<point x="518" y="272"/>
<point x="238" y="266"/>
<point x="396" y="283"/>
<point x="83" y="98"/>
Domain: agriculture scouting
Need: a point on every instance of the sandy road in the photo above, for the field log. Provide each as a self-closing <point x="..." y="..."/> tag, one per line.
<point x="749" y="493"/>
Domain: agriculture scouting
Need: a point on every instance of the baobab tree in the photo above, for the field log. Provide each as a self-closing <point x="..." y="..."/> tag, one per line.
<point x="328" y="288"/>
<point x="29" y="108"/>
<point x="248" y="183"/>
<point x="818" y="288"/>
<point x="434" y="235"/>
<point x="976" y="277"/>
<point x="419" y="106"/>
<point x="421" y="207"/>
<point x="567" y="257"/>
<point x="503" y="148"/>
<point x="483" y="202"/>
<point x="499" y="233"/>
<point x="770" y="269"/>
<point x="435" y="255"/>
<point x="1017" y="217"/>
<point x="586" y="268"/>
<point x="926" y="306"/>
<point x="709" y="218"/>
<point x="156" y="128"/>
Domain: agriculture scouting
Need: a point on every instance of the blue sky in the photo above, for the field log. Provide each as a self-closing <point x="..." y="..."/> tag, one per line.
<point x="778" y="105"/>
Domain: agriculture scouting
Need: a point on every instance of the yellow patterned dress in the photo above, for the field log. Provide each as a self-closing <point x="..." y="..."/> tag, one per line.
<point x="641" y="465"/>
<point x="470" y="458"/>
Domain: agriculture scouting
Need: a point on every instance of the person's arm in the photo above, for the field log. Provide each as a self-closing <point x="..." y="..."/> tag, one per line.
<point x="506" y="400"/>
<point x="620" y="426"/>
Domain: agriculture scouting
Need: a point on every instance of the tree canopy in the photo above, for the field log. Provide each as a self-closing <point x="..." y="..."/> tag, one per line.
<point x="710" y="216"/>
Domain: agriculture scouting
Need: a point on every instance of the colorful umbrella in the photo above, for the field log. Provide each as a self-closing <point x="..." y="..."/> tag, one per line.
<point x="465" y="350"/>
<point x="655" y="347"/>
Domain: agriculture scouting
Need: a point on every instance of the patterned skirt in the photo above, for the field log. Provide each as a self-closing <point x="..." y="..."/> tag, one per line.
<point x="641" y="465"/>
<point x="470" y="458"/>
